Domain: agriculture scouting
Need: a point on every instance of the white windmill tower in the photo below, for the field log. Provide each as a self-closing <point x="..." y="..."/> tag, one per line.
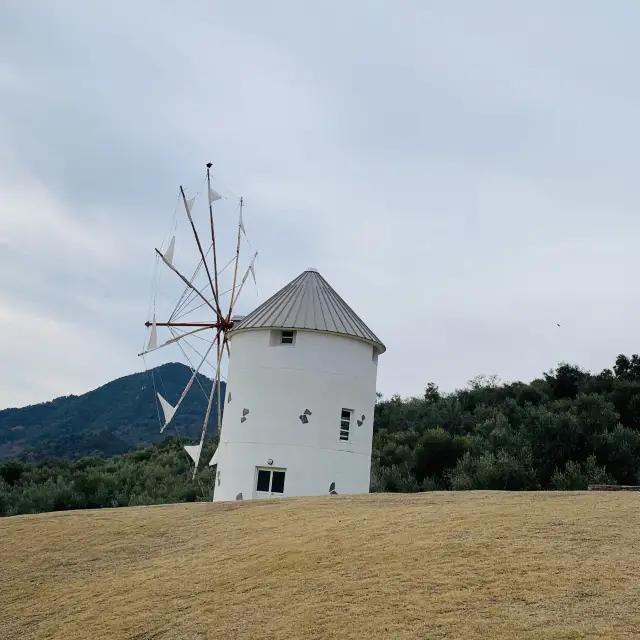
<point x="301" y="388"/>
<point x="302" y="367"/>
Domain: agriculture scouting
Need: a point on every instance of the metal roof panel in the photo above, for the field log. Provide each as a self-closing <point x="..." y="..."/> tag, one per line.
<point x="308" y="302"/>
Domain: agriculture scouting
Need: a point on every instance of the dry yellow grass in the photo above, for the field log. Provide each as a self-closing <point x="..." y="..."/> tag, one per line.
<point x="438" y="565"/>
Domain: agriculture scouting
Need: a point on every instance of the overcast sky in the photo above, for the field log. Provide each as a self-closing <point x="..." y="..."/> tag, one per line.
<point x="464" y="173"/>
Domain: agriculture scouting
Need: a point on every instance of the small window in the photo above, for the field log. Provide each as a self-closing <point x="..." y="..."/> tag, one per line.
<point x="264" y="480"/>
<point x="345" y="424"/>
<point x="374" y="356"/>
<point x="270" y="481"/>
<point x="277" y="482"/>
<point x="284" y="337"/>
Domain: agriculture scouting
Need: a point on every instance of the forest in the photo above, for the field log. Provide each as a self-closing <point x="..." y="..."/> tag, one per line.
<point x="566" y="430"/>
<point x="157" y="474"/>
<point x="563" y="431"/>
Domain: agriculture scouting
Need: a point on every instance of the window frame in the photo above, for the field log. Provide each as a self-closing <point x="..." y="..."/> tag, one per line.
<point x="346" y="430"/>
<point x="270" y="493"/>
<point x="277" y="337"/>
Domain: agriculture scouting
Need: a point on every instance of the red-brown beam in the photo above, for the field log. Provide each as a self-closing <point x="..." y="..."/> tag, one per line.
<point x="211" y="325"/>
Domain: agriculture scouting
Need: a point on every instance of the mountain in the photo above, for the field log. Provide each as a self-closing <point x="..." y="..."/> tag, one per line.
<point x="118" y="417"/>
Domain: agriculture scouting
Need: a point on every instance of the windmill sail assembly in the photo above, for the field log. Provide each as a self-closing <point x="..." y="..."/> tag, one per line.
<point x="199" y="321"/>
<point x="301" y="368"/>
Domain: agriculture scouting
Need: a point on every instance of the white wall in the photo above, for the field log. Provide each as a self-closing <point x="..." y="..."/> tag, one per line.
<point x="321" y="372"/>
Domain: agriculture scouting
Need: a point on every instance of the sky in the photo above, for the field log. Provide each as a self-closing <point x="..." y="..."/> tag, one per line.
<point x="462" y="173"/>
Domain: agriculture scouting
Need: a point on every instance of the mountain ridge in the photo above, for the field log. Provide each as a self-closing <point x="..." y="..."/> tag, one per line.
<point x="119" y="416"/>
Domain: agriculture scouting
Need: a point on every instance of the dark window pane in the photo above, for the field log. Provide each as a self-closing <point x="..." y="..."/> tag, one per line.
<point x="346" y="414"/>
<point x="263" y="480"/>
<point x="277" y="486"/>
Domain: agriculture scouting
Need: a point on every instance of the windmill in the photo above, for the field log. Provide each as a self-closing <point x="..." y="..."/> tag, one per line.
<point x="204" y="309"/>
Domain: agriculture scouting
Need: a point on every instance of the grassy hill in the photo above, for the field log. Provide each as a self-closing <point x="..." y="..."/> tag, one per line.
<point x="118" y="417"/>
<point x="470" y="565"/>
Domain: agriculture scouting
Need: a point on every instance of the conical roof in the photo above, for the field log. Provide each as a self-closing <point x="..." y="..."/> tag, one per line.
<point x="308" y="302"/>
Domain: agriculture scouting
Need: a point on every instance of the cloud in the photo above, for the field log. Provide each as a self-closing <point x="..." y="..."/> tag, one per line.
<point x="60" y="301"/>
<point x="463" y="176"/>
<point x="42" y="356"/>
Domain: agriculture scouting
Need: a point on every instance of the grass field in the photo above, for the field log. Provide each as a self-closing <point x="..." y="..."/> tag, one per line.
<point x="437" y="565"/>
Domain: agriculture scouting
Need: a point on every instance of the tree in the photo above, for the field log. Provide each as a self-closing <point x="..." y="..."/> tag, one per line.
<point x="628" y="368"/>
<point x="565" y="381"/>
<point x="431" y="393"/>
